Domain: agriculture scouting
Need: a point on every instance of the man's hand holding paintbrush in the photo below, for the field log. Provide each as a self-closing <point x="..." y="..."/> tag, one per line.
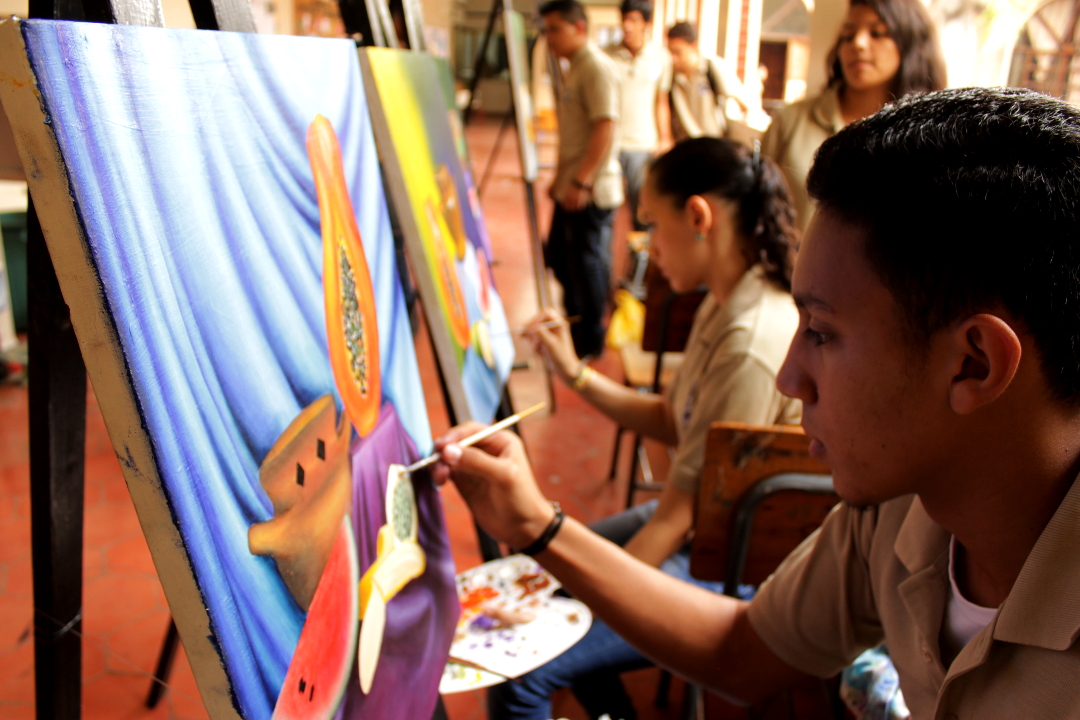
<point x="496" y="481"/>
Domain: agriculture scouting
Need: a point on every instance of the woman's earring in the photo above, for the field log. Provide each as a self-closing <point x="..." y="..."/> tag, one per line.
<point x="699" y="237"/>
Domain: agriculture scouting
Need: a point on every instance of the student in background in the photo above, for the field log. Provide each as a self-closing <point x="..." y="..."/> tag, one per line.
<point x="886" y="49"/>
<point x="721" y="218"/>
<point x="700" y="87"/>
<point x="938" y="363"/>
<point x="588" y="184"/>
<point x="644" y="112"/>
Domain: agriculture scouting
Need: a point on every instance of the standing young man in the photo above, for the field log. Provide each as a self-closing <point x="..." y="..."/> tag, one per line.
<point x="588" y="185"/>
<point x="700" y="87"/>
<point x="938" y="362"/>
<point x="645" y="110"/>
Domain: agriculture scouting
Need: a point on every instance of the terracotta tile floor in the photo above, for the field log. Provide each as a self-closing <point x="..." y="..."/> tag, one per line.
<point x="125" y="612"/>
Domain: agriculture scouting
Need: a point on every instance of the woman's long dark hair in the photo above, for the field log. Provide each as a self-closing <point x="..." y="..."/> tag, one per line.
<point x="726" y="169"/>
<point x="922" y="66"/>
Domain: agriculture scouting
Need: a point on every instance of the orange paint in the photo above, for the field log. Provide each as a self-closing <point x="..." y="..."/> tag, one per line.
<point x="446" y="276"/>
<point x="351" y="325"/>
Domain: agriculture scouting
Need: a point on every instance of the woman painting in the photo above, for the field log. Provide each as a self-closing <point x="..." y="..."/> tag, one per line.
<point x="721" y="218"/>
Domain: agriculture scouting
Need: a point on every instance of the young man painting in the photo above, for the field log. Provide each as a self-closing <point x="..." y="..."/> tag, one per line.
<point x="588" y="184"/>
<point x="938" y="362"/>
<point x="645" y="109"/>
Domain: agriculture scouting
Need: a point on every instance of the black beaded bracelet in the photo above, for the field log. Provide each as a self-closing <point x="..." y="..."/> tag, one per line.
<point x="549" y="534"/>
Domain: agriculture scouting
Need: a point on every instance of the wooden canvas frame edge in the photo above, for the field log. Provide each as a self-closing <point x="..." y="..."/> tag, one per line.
<point x="49" y="185"/>
<point x="414" y="248"/>
<point x="528" y="173"/>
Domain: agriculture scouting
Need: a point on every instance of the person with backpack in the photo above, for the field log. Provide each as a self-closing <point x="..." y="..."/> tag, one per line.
<point x="700" y="87"/>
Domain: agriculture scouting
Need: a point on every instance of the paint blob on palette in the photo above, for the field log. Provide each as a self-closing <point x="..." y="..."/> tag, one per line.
<point x="461" y="678"/>
<point x="511" y="621"/>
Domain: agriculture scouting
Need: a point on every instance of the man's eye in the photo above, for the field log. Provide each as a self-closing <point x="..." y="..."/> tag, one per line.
<point x="815" y="337"/>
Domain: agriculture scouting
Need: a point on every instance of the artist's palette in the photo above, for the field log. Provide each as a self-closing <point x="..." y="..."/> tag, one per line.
<point x="459" y="678"/>
<point x="511" y="622"/>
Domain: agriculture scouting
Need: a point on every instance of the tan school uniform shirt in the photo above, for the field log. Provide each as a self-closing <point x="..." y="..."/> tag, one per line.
<point x="641" y="78"/>
<point x="695" y="110"/>
<point x="881" y="573"/>
<point x="590" y="93"/>
<point x="729" y="370"/>
<point x="793" y="138"/>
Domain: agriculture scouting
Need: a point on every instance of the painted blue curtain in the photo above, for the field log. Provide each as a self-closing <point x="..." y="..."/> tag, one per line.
<point x="187" y="158"/>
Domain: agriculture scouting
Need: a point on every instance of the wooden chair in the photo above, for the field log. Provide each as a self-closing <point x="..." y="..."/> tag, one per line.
<point x="651" y="366"/>
<point x="760" y="495"/>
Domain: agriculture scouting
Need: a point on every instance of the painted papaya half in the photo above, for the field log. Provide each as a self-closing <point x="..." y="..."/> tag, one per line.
<point x="447" y="279"/>
<point x="452" y="209"/>
<point x="351" y="325"/>
<point x="319" y="671"/>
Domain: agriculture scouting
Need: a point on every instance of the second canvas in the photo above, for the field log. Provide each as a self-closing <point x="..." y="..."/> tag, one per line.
<point x="440" y="217"/>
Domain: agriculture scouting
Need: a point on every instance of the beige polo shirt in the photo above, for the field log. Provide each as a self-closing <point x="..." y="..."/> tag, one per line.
<point x="793" y="138"/>
<point x="590" y="93"/>
<point x="729" y="371"/>
<point x="641" y="78"/>
<point x="881" y="573"/>
<point x="696" y="111"/>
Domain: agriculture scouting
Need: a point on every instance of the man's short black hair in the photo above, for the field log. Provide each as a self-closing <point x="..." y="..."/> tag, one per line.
<point x="683" y="31"/>
<point x="569" y="10"/>
<point x="645" y="7"/>
<point x="970" y="200"/>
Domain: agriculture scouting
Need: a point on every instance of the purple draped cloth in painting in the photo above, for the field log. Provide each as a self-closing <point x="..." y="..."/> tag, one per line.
<point x="421" y="618"/>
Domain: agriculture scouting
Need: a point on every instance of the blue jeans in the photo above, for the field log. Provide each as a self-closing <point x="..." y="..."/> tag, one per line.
<point x="578" y="251"/>
<point x="592" y="666"/>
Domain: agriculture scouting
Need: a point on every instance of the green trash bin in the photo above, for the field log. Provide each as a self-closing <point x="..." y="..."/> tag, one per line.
<point x="13" y="231"/>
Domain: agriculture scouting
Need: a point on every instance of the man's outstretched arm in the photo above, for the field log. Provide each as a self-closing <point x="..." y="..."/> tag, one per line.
<point x="701" y="635"/>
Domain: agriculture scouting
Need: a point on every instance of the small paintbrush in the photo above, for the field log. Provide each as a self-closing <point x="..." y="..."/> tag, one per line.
<point x="546" y="324"/>
<point x="473" y="439"/>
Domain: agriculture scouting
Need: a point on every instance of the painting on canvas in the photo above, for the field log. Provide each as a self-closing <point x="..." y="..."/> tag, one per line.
<point x="444" y="229"/>
<point x="214" y="208"/>
<point x="517" y="52"/>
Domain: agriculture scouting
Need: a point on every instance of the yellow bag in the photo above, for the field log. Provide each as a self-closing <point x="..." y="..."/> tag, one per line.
<point x="627" y="321"/>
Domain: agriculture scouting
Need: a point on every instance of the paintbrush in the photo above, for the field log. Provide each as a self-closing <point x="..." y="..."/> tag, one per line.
<point x="547" y="324"/>
<point x="483" y="434"/>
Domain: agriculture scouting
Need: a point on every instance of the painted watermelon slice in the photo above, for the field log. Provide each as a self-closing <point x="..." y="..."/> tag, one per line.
<point x="315" y="682"/>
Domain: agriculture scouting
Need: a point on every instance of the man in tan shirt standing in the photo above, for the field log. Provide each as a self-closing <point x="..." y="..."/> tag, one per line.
<point x="588" y="184"/>
<point x="645" y="110"/>
<point x="937" y="362"/>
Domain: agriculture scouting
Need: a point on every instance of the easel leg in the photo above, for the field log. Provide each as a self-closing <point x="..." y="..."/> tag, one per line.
<point x="507" y="119"/>
<point x="543" y="294"/>
<point x="164" y="665"/>
<point x="481" y="59"/>
<point x="57" y="396"/>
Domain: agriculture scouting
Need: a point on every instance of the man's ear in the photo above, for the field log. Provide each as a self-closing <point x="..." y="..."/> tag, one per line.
<point x="987" y="353"/>
<point x="700" y="214"/>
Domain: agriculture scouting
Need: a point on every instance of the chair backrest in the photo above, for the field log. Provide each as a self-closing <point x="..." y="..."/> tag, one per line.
<point x="761" y="494"/>
<point x="668" y="315"/>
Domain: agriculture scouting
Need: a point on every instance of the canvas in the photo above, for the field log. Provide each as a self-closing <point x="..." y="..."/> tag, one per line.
<point x="214" y="208"/>
<point x="443" y="226"/>
<point x="517" y="44"/>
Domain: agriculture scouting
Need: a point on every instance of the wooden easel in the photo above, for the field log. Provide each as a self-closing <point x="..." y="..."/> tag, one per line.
<point x="57" y="407"/>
